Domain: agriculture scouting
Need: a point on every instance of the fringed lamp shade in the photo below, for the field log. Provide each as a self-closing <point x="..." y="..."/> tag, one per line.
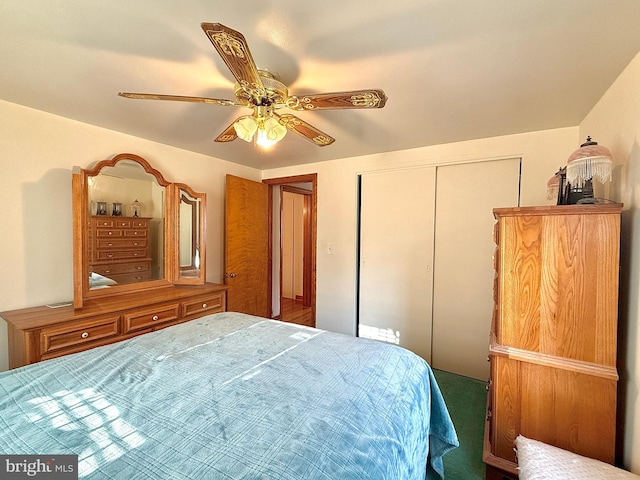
<point x="553" y="184"/>
<point x="590" y="161"/>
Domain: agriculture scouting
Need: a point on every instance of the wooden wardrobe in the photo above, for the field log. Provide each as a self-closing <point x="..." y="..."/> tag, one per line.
<point x="553" y="337"/>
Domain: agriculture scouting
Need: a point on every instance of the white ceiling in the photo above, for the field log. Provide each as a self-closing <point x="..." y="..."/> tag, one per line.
<point x="453" y="69"/>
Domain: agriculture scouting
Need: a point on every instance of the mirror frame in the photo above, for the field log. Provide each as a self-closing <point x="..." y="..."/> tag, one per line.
<point x="80" y="193"/>
<point x="178" y="279"/>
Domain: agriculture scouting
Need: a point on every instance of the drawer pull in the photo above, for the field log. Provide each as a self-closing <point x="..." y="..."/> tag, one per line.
<point x="110" y="255"/>
<point x="135" y="243"/>
<point x="155" y="317"/>
<point x="110" y="233"/>
<point x="85" y="334"/>
<point x="204" y="305"/>
<point x="109" y="244"/>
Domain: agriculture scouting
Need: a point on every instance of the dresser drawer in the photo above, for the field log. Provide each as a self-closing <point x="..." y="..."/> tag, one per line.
<point x="141" y="276"/>
<point x="204" y="305"/>
<point x="123" y="222"/>
<point x="135" y="233"/>
<point x="104" y="222"/>
<point x="122" y="242"/>
<point x="108" y="232"/>
<point x="140" y="222"/>
<point x="120" y="254"/>
<point x="69" y="336"/>
<point x="120" y="268"/>
<point x="137" y="319"/>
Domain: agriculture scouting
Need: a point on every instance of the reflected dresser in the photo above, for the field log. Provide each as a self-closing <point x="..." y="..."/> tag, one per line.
<point x="119" y="248"/>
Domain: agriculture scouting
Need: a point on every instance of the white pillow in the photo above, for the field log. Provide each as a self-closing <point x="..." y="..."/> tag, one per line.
<point x="539" y="461"/>
<point x="97" y="280"/>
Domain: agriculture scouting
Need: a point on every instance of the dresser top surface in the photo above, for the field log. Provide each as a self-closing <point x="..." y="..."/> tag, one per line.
<point x="36" y="317"/>
<point x="585" y="209"/>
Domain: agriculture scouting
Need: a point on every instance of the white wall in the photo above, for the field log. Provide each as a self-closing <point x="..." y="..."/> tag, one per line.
<point x="37" y="153"/>
<point x="542" y="154"/>
<point x="615" y="123"/>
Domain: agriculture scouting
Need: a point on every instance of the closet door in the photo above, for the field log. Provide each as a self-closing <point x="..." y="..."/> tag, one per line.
<point x="463" y="265"/>
<point x="396" y="256"/>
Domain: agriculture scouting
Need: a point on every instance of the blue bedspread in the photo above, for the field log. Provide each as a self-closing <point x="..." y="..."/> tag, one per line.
<point x="231" y="396"/>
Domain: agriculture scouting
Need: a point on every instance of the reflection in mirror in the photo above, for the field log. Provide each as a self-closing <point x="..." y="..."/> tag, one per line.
<point x="126" y="230"/>
<point x="189" y="257"/>
<point x="189" y="238"/>
<point x="126" y="225"/>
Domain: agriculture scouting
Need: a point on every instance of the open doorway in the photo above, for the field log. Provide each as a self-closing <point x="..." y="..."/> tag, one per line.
<point x="292" y="245"/>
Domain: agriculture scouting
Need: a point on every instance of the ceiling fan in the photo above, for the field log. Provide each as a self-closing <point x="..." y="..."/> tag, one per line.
<point x="262" y="91"/>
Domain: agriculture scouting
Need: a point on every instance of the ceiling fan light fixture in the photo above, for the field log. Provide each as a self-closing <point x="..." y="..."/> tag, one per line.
<point x="270" y="132"/>
<point x="245" y="127"/>
<point x="262" y="127"/>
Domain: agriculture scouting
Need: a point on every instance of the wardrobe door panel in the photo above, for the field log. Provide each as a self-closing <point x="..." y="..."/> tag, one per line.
<point x="396" y="255"/>
<point x="463" y="267"/>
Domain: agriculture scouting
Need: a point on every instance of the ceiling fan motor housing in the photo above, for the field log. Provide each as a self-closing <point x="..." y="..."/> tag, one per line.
<point x="276" y="93"/>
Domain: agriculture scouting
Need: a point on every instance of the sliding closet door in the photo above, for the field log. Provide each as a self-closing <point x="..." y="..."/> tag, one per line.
<point x="396" y="256"/>
<point x="463" y="261"/>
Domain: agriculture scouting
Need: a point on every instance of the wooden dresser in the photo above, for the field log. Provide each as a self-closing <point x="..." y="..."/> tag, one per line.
<point x="41" y="333"/>
<point x="553" y="336"/>
<point x="119" y="248"/>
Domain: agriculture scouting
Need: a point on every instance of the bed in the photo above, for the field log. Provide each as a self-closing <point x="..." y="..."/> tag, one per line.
<point x="232" y="396"/>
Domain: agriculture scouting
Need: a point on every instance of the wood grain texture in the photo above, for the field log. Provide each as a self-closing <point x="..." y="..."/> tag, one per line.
<point x="559" y="285"/>
<point x="247" y="246"/>
<point x="553" y="347"/>
<point x="40" y="333"/>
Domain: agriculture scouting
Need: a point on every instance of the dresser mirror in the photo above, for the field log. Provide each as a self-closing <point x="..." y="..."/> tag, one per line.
<point x="130" y="229"/>
<point x="190" y="233"/>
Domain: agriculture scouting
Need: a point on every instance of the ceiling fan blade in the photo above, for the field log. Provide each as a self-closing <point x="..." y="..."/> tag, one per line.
<point x="373" y="98"/>
<point x="180" y="98"/>
<point x="228" y="135"/>
<point x="304" y="129"/>
<point x="233" y="49"/>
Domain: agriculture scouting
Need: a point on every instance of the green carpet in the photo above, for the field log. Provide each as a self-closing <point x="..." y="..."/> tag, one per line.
<point x="466" y="399"/>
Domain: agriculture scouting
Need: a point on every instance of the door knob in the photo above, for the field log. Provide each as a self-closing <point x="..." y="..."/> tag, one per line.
<point x="231" y="275"/>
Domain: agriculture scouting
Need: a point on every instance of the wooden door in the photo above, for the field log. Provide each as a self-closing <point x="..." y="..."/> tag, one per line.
<point x="396" y="255"/>
<point x="247" y="246"/>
